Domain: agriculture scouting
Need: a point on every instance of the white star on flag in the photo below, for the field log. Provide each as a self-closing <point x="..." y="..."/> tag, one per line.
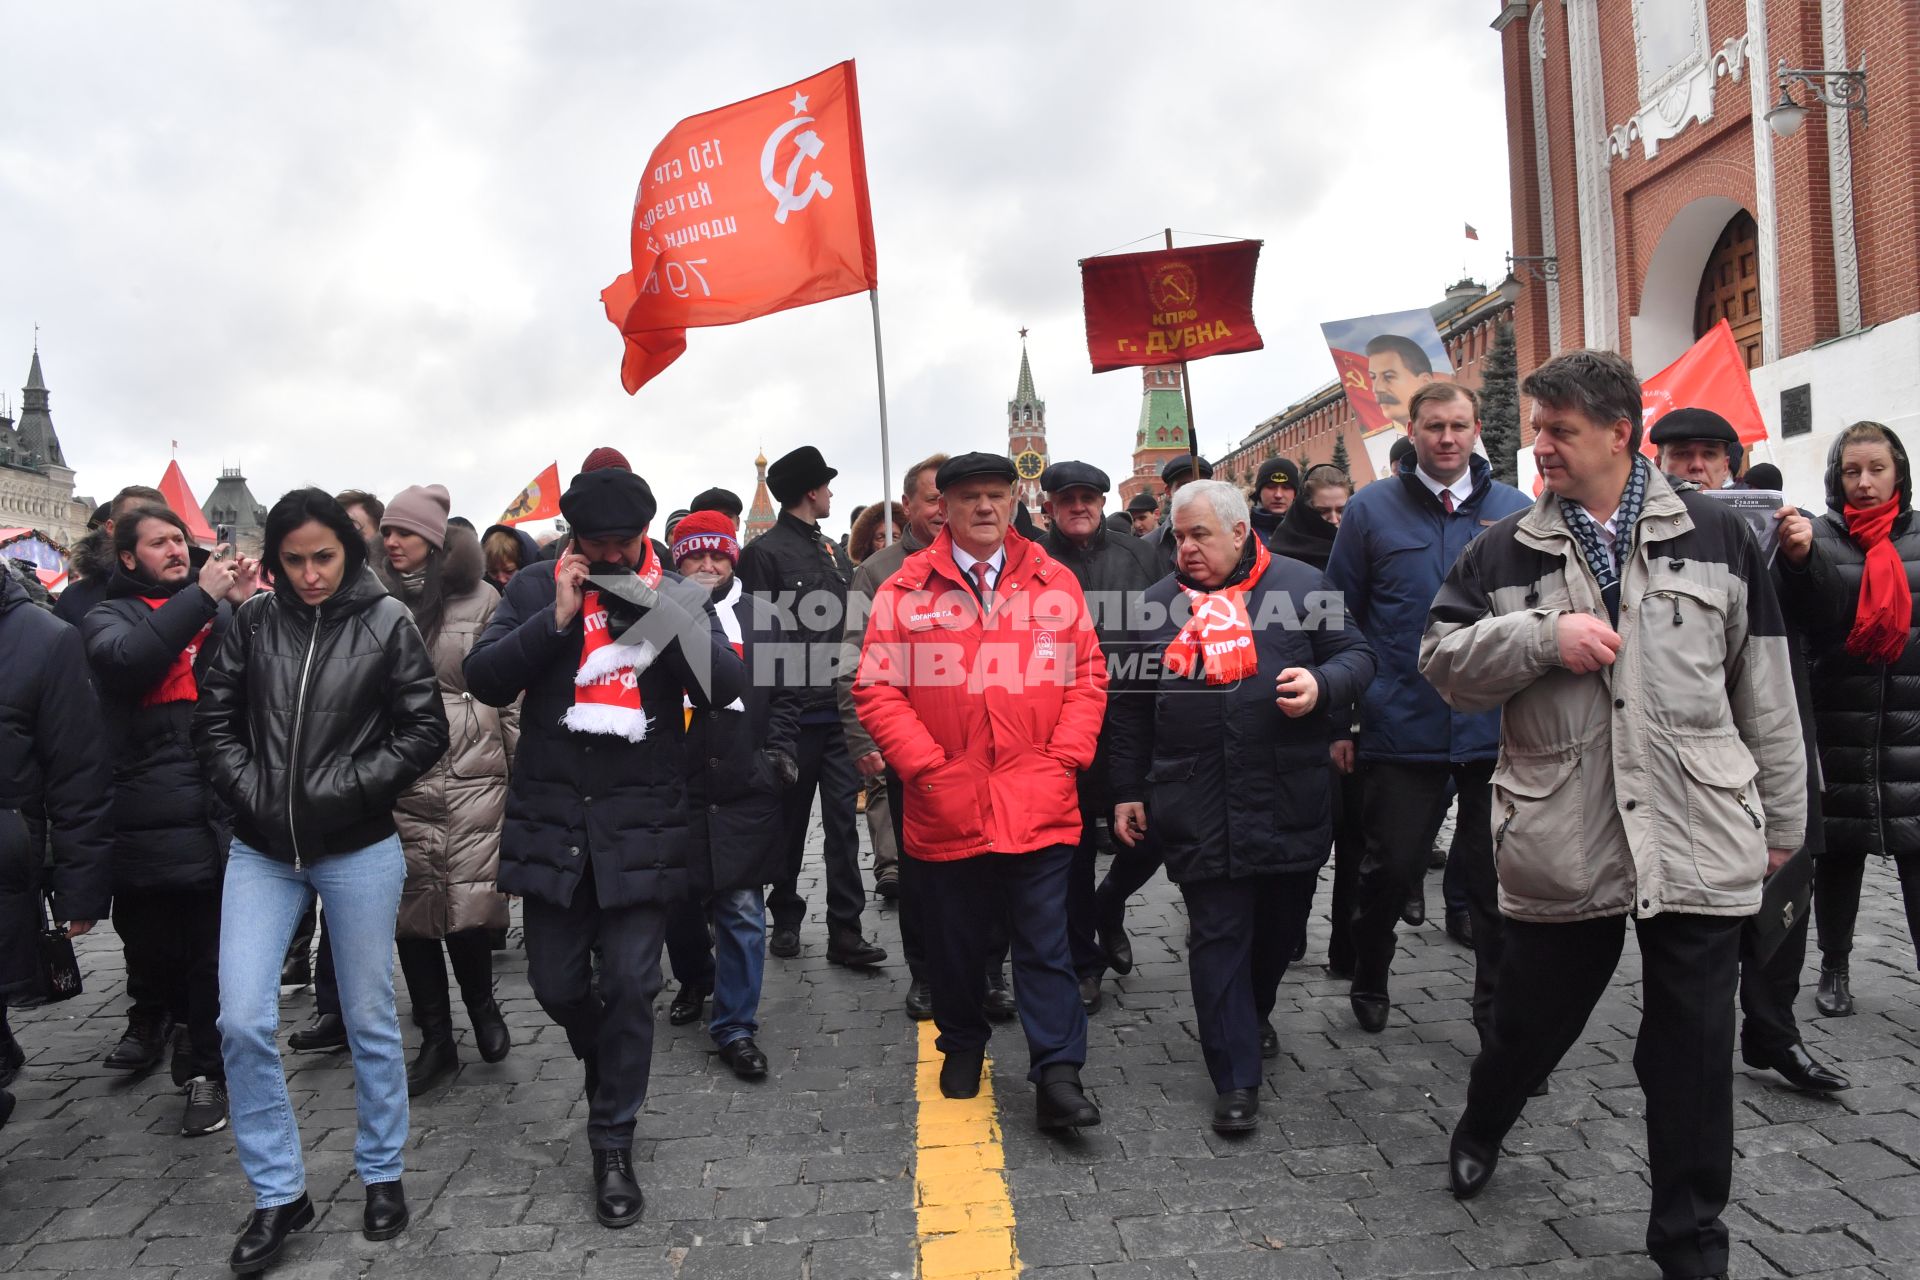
<point x="799" y="102"/>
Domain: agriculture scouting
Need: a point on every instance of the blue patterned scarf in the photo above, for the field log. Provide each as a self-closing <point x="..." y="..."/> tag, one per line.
<point x="1602" y="560"/>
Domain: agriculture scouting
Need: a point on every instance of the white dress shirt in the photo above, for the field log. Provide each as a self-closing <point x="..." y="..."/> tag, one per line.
<point x="995" y="563"/>
<point x="1462" y="489"/>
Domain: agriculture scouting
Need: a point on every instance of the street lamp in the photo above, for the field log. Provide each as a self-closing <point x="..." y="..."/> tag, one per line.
<point x="1840" y="88"/>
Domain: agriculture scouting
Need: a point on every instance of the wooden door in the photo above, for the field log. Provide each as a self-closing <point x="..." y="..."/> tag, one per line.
<point x="1730" y="287"/>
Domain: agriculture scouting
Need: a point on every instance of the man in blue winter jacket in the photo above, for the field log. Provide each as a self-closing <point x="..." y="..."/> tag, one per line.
<point x="1396" y="543"/>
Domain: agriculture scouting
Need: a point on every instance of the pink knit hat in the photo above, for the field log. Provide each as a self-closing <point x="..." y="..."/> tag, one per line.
<point x="421" y="509"/>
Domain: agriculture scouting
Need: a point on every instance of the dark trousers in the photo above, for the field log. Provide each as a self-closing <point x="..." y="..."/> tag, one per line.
<point x="172" y="936"/>
<point x="821" y="753"/>
<point x="1127" y="875"/>
<point x="1837" y="876"/>
<point x="1349" y="848"/>
<point x="1243" y="933"/>
<point x="1029" y="890"/>
<point x="1089" y="960"/>
<point x="1551" y="976"/>
<point x="690" y="944"/>
<point x="611" y="1027"/>
<point x="913" y="945"/>
<point x="1403" y="811"/>
<point x="1767" y="993"/>
<point x="423" y="963"/>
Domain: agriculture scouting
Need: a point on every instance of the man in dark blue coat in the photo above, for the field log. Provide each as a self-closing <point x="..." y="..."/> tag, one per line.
<point x="606" y="647"/>
<point x="1397" y="541"/>
<point x="1220" y="748"/>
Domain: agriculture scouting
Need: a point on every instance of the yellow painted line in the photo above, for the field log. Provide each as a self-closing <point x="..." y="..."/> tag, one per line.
<point x="964" y="1214"/>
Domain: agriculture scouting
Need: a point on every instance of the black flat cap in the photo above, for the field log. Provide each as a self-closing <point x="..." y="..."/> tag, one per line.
<point x="1074" y="475"/>
<point x="798" y="472"/>
<point x="1182" y="465"/>
<point x="1277" y="471"/>
<point x="967" y="465"/>
<point x="1693" y="424"/>
<point x="1142" y="503"/>
<point x="725" y="501"/>
<point x="608" y="503"/>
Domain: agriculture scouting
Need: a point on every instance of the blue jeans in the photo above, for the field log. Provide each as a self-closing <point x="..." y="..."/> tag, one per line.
<point x="739" y="963"/>
<point x="264" y="901"/>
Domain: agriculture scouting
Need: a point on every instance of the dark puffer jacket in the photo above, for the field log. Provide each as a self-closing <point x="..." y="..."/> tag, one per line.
<point x="170" y="830"/>
<point x="312" y="721"/>
<point x="1867" y="715"/>
<point x="53" y="773"/>
<point x="580" y="796"/>
<point x="799" y="570"/>
<point x="734" y="788"/>
<point x="1234" y="787"/>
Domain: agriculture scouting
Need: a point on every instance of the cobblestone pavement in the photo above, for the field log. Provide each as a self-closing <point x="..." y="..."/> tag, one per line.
<point x="810" y="1174"/>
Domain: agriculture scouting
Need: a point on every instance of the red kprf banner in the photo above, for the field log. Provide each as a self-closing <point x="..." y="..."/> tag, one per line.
<point x="540" y="500"/>
<point x="1170" y="305"/>
<point x="1711" y="375"/>
<point x="744" y="211"/>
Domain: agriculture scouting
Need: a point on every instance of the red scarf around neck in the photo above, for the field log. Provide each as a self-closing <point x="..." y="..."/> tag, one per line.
<point x="1219" y="633"/>
<point x="606" y="697"/>
<point x="178" y="685"/>
<point x="1884" y="617"/>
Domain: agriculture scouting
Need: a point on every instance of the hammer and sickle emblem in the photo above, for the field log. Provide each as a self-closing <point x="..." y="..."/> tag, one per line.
<point x="786" y="199"/>
<point x="1216" y="615"/>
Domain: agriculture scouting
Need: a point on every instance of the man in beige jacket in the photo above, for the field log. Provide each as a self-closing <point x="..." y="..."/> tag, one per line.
<point x="1650" y="765"/>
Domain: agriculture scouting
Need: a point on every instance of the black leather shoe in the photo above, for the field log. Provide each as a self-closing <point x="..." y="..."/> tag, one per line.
<point x="1112" y="934"/>
<point x="1090" y="995"/>
<point x="1835" y="996"/>
<point x="386" y="1213"/>
<point x="687" y="1004"/>
<point x="616" y="1196"/>
<point x="139" y="1050"/>
<point x="999" y="1004"/>
<point x="960" y="1073"/>
<point x="1469" y="1166"/>
<point x="886" y="883"/>
<point x="1370" y="1010"/>
<point x="1269" y="1041"/>
<point x="1800" y="1069"/>
<point x="744" y="1056"/>
<point x="1236" y="1111"/>
<point x="266" y="1234"/>
<point x="784" y="943"/>
<point x="1062" y="1104"/>
<point x="854" y="951"/>
<point x="919" y="1001"/>
<point x="1414" y="910"/>
<point x="490" y="1034"/>
<point x="1460" y="928"/>
<point x="327" y="1033"/>
<point x="436" y="1061"/>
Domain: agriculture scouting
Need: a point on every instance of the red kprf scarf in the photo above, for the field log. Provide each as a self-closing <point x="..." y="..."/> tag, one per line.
<point x="178" y="685"/>
<point x="1219" y="634"/>
<point x="1884" y="616"/>
<point x="606" y="697"/>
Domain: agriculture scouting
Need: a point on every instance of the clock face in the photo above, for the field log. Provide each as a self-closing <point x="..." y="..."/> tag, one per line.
<point x="1029" y="465"/>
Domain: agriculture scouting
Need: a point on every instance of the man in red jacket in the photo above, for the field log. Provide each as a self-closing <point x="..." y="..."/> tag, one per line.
<point x="982" y="682"/>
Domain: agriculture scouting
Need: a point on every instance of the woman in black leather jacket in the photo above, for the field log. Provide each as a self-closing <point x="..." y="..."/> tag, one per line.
<point x="320" y="708"/>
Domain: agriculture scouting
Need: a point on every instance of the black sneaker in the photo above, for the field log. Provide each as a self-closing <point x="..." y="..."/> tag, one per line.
<point x="206" y="1107"/>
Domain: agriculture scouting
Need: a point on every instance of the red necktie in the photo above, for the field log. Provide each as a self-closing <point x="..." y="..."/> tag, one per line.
<point x="980" y="569"/>
<point x="1446" y="500"/>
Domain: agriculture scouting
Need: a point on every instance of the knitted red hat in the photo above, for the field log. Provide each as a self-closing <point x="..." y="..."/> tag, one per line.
<point x="705" y="531"/>
<point x="605" y="456"/>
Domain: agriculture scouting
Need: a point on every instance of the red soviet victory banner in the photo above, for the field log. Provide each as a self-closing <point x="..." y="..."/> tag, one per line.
<point x="1712" y="374"/>
<point x="744" y="211"/>
<point x="1170" y="305"/>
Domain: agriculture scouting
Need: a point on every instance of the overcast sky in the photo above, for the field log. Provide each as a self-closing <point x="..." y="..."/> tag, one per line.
<point x="360" y="245"/>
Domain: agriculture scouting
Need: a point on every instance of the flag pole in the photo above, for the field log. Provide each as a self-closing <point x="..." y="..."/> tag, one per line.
<point x="886" y="460"/>
<point x="1186" y="392"/>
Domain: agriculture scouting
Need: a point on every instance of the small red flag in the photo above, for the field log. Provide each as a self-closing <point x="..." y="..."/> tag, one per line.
<point x="1170" y="305"/>
<point x="540" y="500"/>
<point x="1471" y="233"/>
<point x="180" y="500"/>
<point x="744" y="211"/>
<point x="1711" y="375"/>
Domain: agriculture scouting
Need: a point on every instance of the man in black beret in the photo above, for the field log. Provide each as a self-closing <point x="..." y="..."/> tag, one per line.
<point x="1275" y="485"/>
<point x="602" y="649"/>
<point x="725" y="501"/>
<point x="1174" y="472"/>
<point x="982" y="683"/>
<point x="1143" y="513"/>
<point x="1697" y="445"/>
<point x="1113" y="570"/>
<point x="804" y="574"/>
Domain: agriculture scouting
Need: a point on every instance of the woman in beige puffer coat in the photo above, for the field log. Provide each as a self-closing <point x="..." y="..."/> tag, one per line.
<point x="450" y="820"/>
